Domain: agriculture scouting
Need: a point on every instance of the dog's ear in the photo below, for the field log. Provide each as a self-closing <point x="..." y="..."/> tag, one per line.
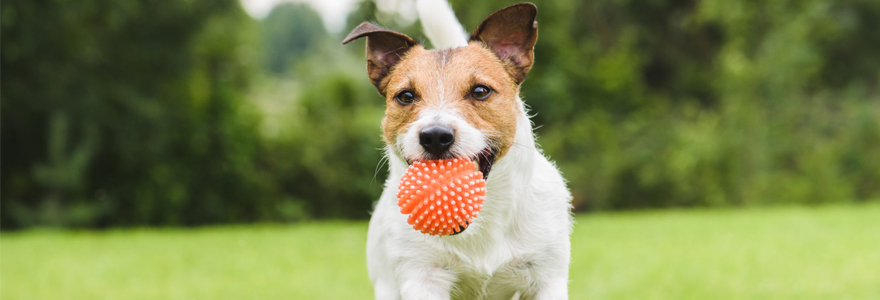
<point x="384" y="50"/>
<point x="511" y="33"/>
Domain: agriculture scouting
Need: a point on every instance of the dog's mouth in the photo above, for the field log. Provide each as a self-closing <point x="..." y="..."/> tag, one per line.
<point x="484" y="161"/>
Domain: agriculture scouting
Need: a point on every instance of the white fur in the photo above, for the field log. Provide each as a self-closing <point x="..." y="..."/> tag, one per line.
<point x="440" y="24"/>
<point x="518" y="246"/>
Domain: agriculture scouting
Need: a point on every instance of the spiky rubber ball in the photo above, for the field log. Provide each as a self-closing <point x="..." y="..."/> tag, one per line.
<point x="443" y="196"/>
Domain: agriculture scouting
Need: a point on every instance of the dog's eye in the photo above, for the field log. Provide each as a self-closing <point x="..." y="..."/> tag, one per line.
<point x="481" y="92"/>
<point x="405" y="97"/>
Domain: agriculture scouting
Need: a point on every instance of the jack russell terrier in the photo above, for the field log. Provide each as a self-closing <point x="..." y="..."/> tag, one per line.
<point x="462" y="101"/>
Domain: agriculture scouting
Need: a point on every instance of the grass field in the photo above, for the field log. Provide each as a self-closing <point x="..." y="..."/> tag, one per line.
<point x="777" y="253"/>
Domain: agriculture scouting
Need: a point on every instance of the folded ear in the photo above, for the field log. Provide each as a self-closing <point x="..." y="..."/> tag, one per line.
<point x="384" y="50"/>
<point x="511" y="33"/>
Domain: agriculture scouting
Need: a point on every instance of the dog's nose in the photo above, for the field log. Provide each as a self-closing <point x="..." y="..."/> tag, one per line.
<point x="436" y="139"/>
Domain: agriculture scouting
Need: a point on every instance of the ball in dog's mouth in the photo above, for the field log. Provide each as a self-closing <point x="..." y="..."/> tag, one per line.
<point x="443" y="196"/>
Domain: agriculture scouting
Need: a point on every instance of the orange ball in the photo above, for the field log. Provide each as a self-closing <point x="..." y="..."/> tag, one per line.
<point x="441" y="196"/>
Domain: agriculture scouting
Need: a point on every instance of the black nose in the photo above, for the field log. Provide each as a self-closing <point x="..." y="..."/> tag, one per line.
<point x="436" y="139"/>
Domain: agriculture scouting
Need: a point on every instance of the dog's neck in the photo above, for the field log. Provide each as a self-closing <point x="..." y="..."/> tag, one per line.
<point x="508" y="185"/>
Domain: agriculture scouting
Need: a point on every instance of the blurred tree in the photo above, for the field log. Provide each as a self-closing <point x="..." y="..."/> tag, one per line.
<point x="328" y="155"/>
<point x="321" y="131"/>
<point x="128" y="112"/>
<point x="681" y="103"/>
<point x="290" y="31"/>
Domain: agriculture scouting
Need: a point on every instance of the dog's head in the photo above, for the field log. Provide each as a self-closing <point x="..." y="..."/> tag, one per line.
<point x="459" y="102"/>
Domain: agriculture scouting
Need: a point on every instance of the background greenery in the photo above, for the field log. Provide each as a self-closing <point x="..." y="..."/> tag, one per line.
<point x="132" y="112"/>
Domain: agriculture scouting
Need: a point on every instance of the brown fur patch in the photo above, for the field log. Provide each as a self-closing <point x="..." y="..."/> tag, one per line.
<point x="444" y="79"/>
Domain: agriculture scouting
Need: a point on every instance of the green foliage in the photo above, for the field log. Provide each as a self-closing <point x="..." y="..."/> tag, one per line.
<point x="290" y="31"/>
<point x="128" y="112"/>
<point x="676" y="103"/>
<point x="328" y="147"/>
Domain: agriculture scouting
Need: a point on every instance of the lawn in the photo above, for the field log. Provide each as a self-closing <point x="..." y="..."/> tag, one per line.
<point x="776" y="253"/>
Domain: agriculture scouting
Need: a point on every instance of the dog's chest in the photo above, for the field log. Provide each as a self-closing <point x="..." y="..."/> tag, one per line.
<point x="494" y="275"/>
<point x="502" y="284"/>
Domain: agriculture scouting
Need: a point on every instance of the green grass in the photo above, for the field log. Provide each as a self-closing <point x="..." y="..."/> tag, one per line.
<point x="778" y="253"/>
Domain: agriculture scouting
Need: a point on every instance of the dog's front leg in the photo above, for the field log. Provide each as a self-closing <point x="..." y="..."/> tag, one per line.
<point x="553" y="289"/>
<point x="549" y="277"/>
<point x="419" y="280"/>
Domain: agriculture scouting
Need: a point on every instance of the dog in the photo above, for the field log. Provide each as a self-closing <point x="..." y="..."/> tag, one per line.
<point x="463" y="102"/>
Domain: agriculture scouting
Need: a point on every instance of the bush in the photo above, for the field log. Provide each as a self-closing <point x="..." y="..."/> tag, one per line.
<point x="671" y="103"/>
<point x="128" y="112"/>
